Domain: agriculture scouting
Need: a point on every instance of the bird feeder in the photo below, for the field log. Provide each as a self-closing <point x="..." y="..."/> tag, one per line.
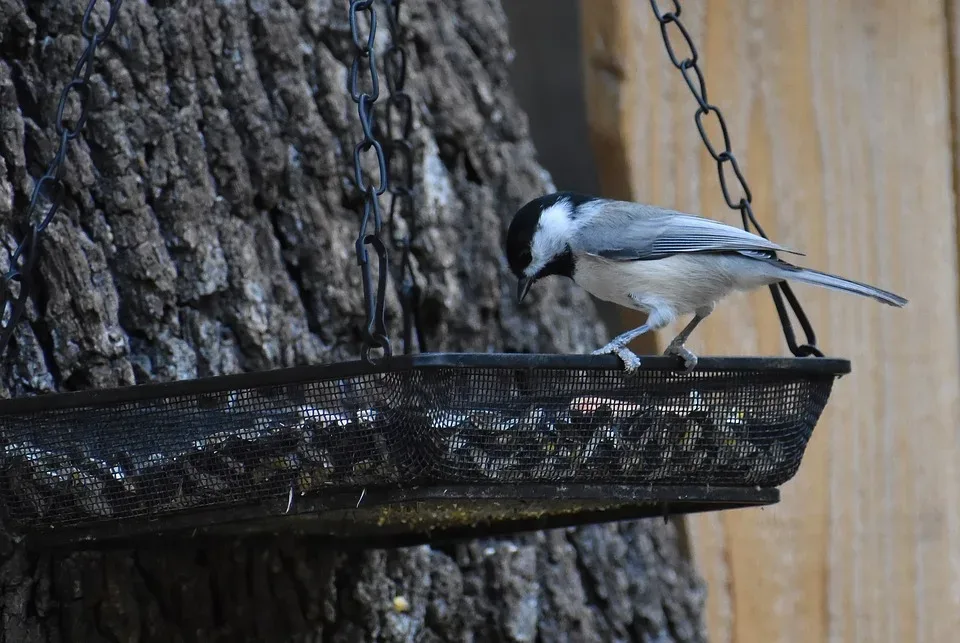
<point x="417" y="446"/>
<point x="408" y="448"/>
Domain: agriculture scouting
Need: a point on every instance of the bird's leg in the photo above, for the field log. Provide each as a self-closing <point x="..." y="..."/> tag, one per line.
<point x="677" y="347"/>
<point x="618" y="345"/>
<point x="657" y="318"/>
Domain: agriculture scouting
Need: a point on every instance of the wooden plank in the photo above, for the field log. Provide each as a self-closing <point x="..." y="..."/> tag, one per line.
<point x="845" y="138"/>
<point x="614" y="107"/>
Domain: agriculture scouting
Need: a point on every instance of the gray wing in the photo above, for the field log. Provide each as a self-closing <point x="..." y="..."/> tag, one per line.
<point x="634" y="232"/>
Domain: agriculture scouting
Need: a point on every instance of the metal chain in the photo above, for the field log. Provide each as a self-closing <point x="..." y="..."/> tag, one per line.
<point x="693" y="76"/>
<point x="17" y="283"/>
<point x="375" y="331"/>
<point x="400" y="177"/>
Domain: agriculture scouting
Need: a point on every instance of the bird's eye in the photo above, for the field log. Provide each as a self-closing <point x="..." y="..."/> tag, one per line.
<point x="526" y="257"/>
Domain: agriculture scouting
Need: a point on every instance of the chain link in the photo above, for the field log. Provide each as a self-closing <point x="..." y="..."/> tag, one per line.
<point x="400" y="172"/>
<point x="17" y="283"/>
<point x="692" y="74"/>
<point x="365" y="60"/>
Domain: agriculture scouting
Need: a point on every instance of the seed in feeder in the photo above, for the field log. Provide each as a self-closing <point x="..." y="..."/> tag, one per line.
<point x="368" y="416"/>
<point x="480" y="459"/>
<point x="497" y="468"/>
<point x="734" y="418"/>
<point x="314" y="454"/>
<point x="656" y="456"/>
<point x="26" y="493"/>
<point x="586" y="415"/>
<point x="248" y="433"/>
<point x="446" y="419"/>
<point x="505" y="468"/>
<point x="364" y="472"/>
<point x="26" y="451"/>
<point x="219" y="440"/>
<point x="262" y="425"/>
<point x="646" y="444"/>
<point x="153" y="480"/>
<point x="460" y="457"/>
<point x="683" y="407"/>
<point x="36" y="471"/>
<point x="536" y="437"/>
<point x="692" y="449"/>
<point x="694" y="445"/>
<point x="500" y="434"/>
<point x="765" y="463"/>
<point x="203" y="482"/>
<point x="309" y="413"/>
<point x="52" y="468"/>
<point x="117" y="478"/>
<point x="535" y="416"/>
<point x="695" y="461"/>
<point x="385" y="456"/>
<point x="760" y="465"/>
<point x="284" y="462"/>
<point x="318" y="471"/>
<point x="563" y="420"/>
<point x="561" y="465"/>
<point x="601" y="450"/>
<point x="307" y="482"/>
<point x="478" y="428"/>
<point x="547" y="439"/>
<point x="746" y="455"/>
<point x="100" y="467"/>
<point x="587" y="405"/>
<point x="88" y="494"/>
<point x="547" y="469"/>
<point x="778" y="454"/>
<point x="232" y="466"/>
<point x="124" y="463"/>
<point x="455" y="442"/>
<point x="727" y="434"/>
<point x="57" y="477"/>
<point x="481" y="422"/>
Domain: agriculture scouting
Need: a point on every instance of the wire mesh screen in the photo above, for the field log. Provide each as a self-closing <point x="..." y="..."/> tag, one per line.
<point x="153" y="455"/>
<point x="718" y="428"/>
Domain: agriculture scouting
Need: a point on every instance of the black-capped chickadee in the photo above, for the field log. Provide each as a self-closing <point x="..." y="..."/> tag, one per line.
<point x="658" y="261"/>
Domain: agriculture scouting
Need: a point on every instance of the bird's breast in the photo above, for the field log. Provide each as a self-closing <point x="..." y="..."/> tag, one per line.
<point x="683" y="283"/>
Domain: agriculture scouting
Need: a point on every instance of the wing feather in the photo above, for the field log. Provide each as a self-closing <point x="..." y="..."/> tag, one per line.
<point x="633" y="232"/>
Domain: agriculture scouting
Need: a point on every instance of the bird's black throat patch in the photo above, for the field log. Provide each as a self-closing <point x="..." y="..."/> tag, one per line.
<point x="563" y="265"/>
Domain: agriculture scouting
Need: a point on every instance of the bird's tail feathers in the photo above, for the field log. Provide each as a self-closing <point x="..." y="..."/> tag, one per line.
<point x="834" y="282"/>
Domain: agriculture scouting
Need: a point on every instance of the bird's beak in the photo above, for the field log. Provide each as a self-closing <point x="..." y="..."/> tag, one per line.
<point x="523" y="286"/>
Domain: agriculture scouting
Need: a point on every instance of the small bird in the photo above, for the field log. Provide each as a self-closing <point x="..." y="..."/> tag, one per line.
<point x="658" y="261"/>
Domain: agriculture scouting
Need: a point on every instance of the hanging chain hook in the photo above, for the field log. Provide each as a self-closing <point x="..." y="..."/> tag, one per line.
<point x="17" y="283"/>
<point x="692" y="74"/>
<point x="400" y="170"/>
<point x="365" y="59"/>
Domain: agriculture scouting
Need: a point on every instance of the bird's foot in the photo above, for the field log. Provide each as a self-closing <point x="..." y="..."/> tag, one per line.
<point x="630" y="361"/>
<point x="689" y="359"/>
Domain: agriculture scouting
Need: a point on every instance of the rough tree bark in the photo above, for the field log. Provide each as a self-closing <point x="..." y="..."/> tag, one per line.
<point x="209" y="229"/>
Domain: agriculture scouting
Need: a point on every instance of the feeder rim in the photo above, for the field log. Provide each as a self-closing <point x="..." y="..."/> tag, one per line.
<point x="400" y="363"/>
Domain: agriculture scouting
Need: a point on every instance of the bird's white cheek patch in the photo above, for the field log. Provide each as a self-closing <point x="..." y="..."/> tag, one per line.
<point x="555" y="220"/>
<point x="552" y="235"/>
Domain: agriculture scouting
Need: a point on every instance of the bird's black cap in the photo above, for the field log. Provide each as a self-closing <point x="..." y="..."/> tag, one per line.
<point x="524" y="225"/>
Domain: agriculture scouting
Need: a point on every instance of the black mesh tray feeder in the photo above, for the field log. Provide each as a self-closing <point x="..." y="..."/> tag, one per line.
<point x="417" y="444"/>
<point x="411" y="448"/>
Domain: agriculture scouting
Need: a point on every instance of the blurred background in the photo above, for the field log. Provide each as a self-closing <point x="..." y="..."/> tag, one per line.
<point x="843" y="118"/>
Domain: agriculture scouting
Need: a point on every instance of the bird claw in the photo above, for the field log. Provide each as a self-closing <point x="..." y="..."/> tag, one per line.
<point x="630" y="361"/>
<point x="689" y="359"/>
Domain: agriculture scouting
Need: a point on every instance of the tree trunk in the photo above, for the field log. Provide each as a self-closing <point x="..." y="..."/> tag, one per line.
<point x="208" y="228"/>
